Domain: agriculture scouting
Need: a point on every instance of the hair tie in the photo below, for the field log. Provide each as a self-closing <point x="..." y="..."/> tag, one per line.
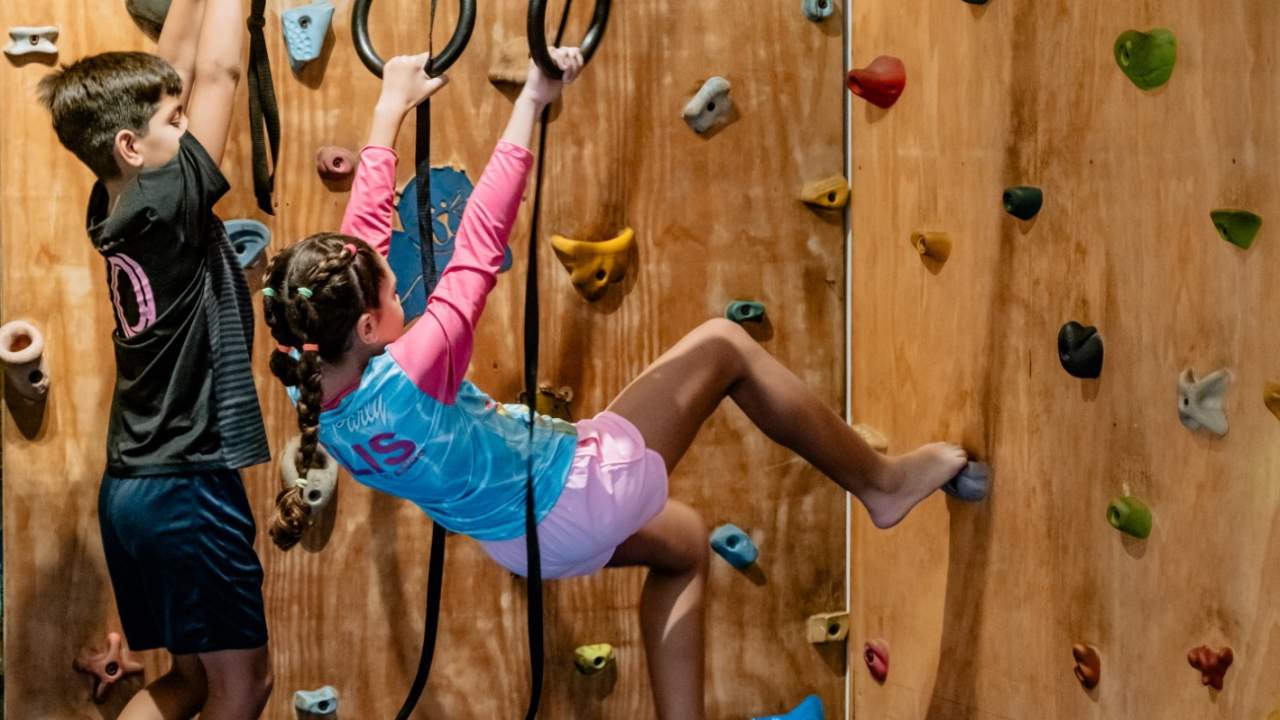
<point x="310" y="347"/>
<point x="284" y="349"/>
<point x="351" y="248"/>
<point x="268" y="292"/>
<point x="305" y="292"/>
<point x="302" y="481"/>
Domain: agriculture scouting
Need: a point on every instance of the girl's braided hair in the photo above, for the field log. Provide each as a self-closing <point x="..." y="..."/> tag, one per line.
<point x="315" y="292"/>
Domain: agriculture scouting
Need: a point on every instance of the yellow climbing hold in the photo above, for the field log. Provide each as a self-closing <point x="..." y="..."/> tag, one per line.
<point x="933" y="245"/>
<point x="833" y="192"/>
<point x="872" y="437"/>
<point x="828" y="627"/>
<point x="594" y="266"/>
<point x="1271" y="396"/>
<point x="591" y="659"/>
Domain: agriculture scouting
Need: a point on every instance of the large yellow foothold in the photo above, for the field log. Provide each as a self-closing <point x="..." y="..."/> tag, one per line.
<point x="933" y="245"/>
<point x="594" y="266"/>
<point x="833" y="192"/>
<point x="872" y="437"/>
<point x="1271" y="396"/>
<point x="828" y="627"/>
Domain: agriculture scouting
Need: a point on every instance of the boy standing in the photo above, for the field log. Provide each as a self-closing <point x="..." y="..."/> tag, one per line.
<point x="176" y="524"/>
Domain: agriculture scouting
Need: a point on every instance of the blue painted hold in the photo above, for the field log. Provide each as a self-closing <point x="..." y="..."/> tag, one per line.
<point x="818" y="10"/>
<point x="734" y="545"/>
<point x="317" y="702"/>
<point x="450" y="189"/>
<point x="248" y="238"/>
<point x="971" y="484"/>
<point x="809" y="709"/>
<point x="304" y="30"/>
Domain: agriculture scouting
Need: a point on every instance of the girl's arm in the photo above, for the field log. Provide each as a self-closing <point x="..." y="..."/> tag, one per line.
<point x="437" y="350"/>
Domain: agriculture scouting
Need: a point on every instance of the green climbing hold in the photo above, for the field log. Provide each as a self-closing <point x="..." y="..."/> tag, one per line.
<point x="1130" y="516"/>
<point x="1023" y="201"/>
<point x="741" y="311"/>
<point x="1147" y="58"/>
<point x="1238" y="227"/>
<point x="591" y="659"/>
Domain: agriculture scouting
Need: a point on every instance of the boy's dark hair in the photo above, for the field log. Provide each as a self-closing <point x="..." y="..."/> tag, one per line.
<point x="315" y="291"/>
<point x="96" y="97"/>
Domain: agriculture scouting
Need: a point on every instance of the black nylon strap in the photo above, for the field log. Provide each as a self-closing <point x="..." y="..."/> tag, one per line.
<point x="533" y="557"/>
<point x="435" y="581"/>
<point x="262" y="109"/>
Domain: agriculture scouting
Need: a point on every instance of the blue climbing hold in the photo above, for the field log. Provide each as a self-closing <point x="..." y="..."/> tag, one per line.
<point x="818" y="10"/>
<point x="971" y="484"/>
<point x="450" y="189"/>
<point x="317" y="702"/>
<point x="248" y="238"/>
<point x="734" y="544"/>
<point x="809" y="709"/>
<point x="304" y="30"/>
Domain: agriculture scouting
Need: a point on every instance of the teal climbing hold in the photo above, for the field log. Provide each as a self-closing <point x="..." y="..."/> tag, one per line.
<point x="1023" y="201"/>
<point x="1147" y="58"/>
<point x="1130" y="516"/>
<point x="317" y="702"/>
<point x="809" y="709"/>
<point x="1238" y="227"/>
<point x="741" y="311"/>
<point x="818" y="10"/>
<point x="304" y="30"/>
<point x="734" y="545"/>
<point x="248" y="239"/>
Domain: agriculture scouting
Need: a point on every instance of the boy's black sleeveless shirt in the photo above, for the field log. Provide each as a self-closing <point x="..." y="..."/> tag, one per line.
<point x="184" y="395"/>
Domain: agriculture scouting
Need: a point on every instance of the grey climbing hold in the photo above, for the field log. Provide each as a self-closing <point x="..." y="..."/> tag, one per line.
<point x="321" y="482"/>
<point x="817" y="10"/>
<point x="734" y="545"/>
<point x="970" y="485"/>
<point x="249" y="238"/>
<point x="1200" y="401"/>
<point x="22" y="352"/>
<point x="32" y="41"/>
<point x="317" y="702"/>
<point x="710" y="107"/>
<point x="149" y="12"/>
<point x="304" y="30"/>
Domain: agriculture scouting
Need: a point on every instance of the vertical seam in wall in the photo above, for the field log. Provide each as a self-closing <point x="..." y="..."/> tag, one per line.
<point x="847" y="52"/>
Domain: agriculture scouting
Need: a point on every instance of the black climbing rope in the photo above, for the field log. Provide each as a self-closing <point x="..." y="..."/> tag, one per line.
<point x="436" y="65"/>
<point x="538" y="49"/>
<point x="262" y="109"/>
<point x="533" y="558"/>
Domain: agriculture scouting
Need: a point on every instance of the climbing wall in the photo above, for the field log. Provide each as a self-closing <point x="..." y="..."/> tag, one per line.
<point x="981" y="604"/>
<point x="716" y="218"/>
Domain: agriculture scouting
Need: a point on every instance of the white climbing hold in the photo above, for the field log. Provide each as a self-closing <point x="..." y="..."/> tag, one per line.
<point x="1200" y="402"/>
<point x="22" y="352"/>
<point x="710" y="106"/>
<point x="321" y="481"/>
<point x="32" y="41"/>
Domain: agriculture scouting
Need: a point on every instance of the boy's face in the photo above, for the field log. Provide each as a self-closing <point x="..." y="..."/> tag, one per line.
<point x="160" y="145"/>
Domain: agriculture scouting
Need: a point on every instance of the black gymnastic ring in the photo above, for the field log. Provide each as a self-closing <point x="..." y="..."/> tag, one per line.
<point x="438" y="64"/>
<point x="538" y="36"/>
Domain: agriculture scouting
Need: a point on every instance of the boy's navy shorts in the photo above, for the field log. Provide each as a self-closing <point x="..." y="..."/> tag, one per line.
<point x="180" y="553"/>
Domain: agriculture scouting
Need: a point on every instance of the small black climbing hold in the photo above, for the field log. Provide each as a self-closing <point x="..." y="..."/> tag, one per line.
<point x="976" y="2"/>
<point x="1080" y="350"/>
<point x="1023" y="201"/>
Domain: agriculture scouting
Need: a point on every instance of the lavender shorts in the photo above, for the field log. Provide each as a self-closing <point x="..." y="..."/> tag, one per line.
<point x="615" y="486"/>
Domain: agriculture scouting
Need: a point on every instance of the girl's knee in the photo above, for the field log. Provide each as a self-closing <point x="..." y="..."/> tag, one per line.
<point x="690" y="550"/>
<point x="724" y="340"/>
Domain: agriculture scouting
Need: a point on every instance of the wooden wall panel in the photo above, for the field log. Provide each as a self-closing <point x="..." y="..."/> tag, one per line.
<point x="981" y="604"/>
<point x="716" y="219"/>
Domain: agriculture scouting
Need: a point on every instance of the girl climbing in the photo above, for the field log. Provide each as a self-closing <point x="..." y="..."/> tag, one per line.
<point x="394" y="409"/>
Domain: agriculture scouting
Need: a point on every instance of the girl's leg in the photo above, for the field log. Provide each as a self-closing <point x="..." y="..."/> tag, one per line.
<point x="674" y="547"/>
<point x="673" y="397"/>
<point x="176" y="695"/>
<point x="239" y="683"/>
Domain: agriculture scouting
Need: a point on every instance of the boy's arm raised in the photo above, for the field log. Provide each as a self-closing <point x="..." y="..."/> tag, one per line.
<point x="178" y="40"/>
<point x="217" y="73"/>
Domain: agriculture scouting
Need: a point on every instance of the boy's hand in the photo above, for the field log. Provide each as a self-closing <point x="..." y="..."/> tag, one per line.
<point x="405" y="83"/>
<point x="541" y="89"/>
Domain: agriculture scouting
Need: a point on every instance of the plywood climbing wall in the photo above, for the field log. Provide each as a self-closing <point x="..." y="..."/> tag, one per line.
<point x="716" y="219"/>
<point x="981" y="604"/>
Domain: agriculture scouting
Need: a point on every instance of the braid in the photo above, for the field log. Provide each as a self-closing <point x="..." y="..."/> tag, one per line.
<point x="339" y="287"/>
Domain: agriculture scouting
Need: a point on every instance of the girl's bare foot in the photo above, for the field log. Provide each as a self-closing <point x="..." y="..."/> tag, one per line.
<point x="908" y="479"/>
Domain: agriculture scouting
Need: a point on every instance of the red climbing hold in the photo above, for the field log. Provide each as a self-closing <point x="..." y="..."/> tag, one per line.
<point x="1212" y="664"/>
<point x="335" y="163"/>
<point x="107" y="667"/>
<point x="879" y="83"/>
<point x="876" y="655"/>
